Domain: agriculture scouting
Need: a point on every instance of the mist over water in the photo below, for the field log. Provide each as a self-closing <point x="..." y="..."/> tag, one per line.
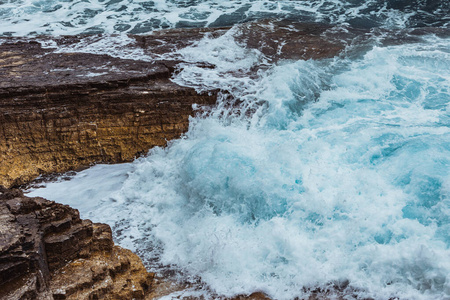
<point x="324" y="172"/>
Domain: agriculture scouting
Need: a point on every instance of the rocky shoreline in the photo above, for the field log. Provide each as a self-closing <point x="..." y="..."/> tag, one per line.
<point x="48" y="252"/>
<point x="65" y="111"/>
<point x="62" y="111"/>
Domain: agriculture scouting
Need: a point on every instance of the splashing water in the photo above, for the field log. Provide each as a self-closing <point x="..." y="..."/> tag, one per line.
<point x="23" y="17"/>
<point x="325" y="172"/>
<point x="340" y="173"/>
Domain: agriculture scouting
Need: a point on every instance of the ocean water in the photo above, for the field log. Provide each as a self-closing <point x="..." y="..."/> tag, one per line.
<point x="35" y="17"/>
<point x="332" y="172"/>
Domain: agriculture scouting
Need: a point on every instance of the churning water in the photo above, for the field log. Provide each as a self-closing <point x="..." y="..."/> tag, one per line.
<point x="328" y="171"/>
<point x="21" y="17"/>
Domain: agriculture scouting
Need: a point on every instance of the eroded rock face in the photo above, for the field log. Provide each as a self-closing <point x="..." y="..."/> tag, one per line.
<point x="48" y="252"/>
<point x="62" y="111"/>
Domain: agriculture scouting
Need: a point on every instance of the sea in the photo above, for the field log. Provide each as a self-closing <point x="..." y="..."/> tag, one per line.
<point x="327" y="174"/>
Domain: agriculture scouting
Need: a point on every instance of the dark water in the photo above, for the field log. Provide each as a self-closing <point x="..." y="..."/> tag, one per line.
<point x="23" y="17"/>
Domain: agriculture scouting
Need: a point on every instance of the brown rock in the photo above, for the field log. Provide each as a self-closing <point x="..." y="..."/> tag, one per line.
<point x="290" y="40"/>
<point x="48" y="252"/>
<point x="254" y="296"/>
<point x="119" y="274"/>
<point x="62" y="111"/>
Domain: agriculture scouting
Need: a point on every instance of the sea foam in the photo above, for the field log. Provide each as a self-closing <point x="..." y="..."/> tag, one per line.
<point x="340" y="172"/>
<point x="51" y="17"/>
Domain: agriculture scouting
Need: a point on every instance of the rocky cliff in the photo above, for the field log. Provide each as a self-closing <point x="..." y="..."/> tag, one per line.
<point x="62" y="111"/>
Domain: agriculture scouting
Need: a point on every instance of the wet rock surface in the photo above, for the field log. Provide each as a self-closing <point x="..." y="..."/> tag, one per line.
<point x="48" y="252"/>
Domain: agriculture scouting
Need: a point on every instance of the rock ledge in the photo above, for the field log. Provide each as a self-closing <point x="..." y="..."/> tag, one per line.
<point x="48" y="252"/>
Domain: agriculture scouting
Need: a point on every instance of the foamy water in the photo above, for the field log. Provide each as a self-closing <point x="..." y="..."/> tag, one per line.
<point x="341" y="172"/>
<point x="326" y="172"/>
<point x="34" y="17"/>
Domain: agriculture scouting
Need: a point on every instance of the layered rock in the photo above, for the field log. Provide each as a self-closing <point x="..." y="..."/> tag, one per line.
<point x="48" y="252"/>
<point x="62" y="111"/>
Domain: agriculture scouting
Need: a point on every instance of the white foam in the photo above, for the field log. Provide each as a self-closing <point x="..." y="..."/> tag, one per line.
<point x="342" y="174"/>
<point x="23" y="17"/>
<point x="121" y="46"/>
<point x="99" y="184"/>
<point x="231" y="62"/>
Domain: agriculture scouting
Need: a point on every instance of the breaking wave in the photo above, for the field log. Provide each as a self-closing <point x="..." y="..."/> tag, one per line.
<point x="331" y="172"/>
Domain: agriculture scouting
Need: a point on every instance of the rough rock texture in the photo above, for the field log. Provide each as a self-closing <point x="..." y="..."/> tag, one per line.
<point x="48" y="252"/>
<point x="62" y="111"/>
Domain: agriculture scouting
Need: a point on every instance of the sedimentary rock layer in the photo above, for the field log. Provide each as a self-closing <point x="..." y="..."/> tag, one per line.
<point x="61" y="111"/>
<point x="48" y="252"/>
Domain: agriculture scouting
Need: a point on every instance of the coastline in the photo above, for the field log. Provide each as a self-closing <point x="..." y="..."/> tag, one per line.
<point x="114" y="117"/>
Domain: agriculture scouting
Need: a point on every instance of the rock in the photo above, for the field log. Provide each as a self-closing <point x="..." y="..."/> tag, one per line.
<point x="48" y="252"/>
<point x="292" y="40"/>
<point x="63" y="111"/>
<point x="254" y="296"/>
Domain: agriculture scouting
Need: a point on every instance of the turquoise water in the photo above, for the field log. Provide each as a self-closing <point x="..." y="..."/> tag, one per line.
<point x="333" y="171"/>
<point x="307" y="174"/>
